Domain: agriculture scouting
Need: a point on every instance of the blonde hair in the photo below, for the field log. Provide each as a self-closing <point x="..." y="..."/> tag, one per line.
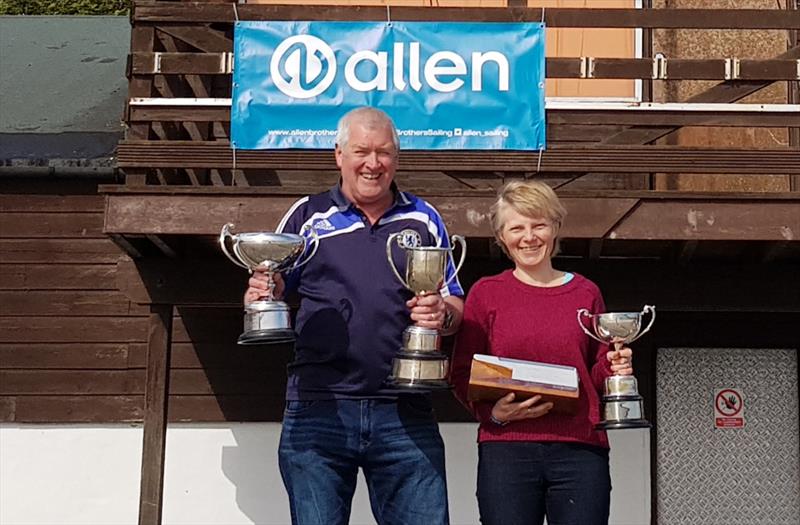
<point x="531" y="198"/>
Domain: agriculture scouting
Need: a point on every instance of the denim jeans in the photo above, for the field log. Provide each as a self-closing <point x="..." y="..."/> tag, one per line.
<point x="396" y="443"/>
<point x="519" y="483"/>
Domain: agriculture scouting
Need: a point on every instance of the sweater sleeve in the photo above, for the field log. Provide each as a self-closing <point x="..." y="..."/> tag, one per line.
<point x="601" y="368"/>
<point x="472" y="338"/>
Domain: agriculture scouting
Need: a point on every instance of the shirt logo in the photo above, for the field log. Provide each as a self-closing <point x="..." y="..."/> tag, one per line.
<point x="324" y="225"/>
<point x="409" y="239"/>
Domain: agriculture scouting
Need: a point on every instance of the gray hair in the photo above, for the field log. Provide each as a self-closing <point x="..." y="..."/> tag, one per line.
<point x="369" y="117"/>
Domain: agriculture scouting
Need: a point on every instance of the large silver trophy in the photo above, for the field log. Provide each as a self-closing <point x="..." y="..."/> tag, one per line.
<point x="267" y="320"/>
<point x="419" y="363"/>
<point x="622" y="404"/>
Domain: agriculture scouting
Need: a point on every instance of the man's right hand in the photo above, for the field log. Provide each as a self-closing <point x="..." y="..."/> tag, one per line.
<point x="259" y="286"/>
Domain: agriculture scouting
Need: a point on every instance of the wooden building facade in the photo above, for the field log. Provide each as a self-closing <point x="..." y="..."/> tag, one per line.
<point x="117" y="306"/>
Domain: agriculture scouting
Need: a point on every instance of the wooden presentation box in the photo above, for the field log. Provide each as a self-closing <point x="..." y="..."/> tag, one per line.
<point x="493" y="377"/>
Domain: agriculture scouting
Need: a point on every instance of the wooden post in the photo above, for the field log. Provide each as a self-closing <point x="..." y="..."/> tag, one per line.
<point x="159" y="345"/>
<point x="794" y="97"/>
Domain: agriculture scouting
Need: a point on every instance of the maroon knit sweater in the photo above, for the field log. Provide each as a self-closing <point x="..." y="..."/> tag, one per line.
<point x="508" y="318"/>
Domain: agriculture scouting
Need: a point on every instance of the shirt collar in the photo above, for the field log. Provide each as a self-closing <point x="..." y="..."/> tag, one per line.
<point x="339" y="199"/>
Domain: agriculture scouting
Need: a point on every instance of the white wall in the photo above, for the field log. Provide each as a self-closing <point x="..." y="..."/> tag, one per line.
<point x="225" y="474"/>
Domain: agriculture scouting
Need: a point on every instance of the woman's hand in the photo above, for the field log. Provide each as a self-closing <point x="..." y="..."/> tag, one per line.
<point x="506" y="410"/>
<point x="621" y="359"/>
<point x="259" y="285"/>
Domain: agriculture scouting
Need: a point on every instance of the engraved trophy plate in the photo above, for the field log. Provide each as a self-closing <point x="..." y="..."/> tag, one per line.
<point x="622" y="404"/>
<point x="267" y="320"/>
<point x="419" y="364"/>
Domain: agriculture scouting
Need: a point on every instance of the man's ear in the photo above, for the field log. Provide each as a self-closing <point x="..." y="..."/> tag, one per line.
<point x="337" y="152"/>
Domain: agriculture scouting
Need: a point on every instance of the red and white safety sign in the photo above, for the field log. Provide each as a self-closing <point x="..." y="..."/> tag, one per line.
<point x="728" y="408"/>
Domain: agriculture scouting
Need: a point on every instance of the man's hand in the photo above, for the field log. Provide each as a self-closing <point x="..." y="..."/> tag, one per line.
<point x="506" y="410"/>
<point x="259" y="285"/>
<point x="427" y="310"/>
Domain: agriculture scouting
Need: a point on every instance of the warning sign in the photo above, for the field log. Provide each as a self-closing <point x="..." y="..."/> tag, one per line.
<point x="728" y="408"/>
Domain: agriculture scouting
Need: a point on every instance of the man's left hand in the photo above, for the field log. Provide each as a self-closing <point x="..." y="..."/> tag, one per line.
<point x="427" y="311"/>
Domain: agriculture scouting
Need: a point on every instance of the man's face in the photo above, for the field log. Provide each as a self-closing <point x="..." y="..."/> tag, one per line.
<point x="368" y="163"/>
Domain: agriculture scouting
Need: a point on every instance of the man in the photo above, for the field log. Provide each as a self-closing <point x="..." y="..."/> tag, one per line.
<point x="340" y="413"/>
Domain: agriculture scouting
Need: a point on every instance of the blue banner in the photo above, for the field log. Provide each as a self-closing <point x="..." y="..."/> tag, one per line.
<point x="446" y="85"/>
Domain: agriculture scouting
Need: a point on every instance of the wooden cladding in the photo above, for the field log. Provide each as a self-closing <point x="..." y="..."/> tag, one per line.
<point x="73" y="347"/>
<point x="177" y="12"/>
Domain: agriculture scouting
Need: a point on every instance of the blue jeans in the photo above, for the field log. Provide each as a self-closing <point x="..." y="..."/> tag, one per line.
<point x="396" y="443"/>
<point x="519" y="483"/>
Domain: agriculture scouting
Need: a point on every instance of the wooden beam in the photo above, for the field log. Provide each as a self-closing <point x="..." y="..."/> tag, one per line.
<point x="632" y="159"/>
<point x="205" y="215"/>
<point x="631" y="215"/>
<point x="556" y="116"/>
<point x="554" y="17"/>
<point x="142" y="40"/>
<point x="159" y="341"/>
<point x="125" y="245"/>
<point x="162" y="245"/>
<point x="186" y="63"/>
<point x="794" y="97"/>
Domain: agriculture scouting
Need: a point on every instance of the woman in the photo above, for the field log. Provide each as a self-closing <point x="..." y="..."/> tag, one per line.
<point x="533" y="463"/>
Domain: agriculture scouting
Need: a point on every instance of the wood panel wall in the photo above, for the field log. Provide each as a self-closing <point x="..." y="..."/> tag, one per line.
<point x="73" y="348"/>
<point x="68" y="339"/>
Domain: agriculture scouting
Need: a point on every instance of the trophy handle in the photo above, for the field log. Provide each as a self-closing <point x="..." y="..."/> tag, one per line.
<point x="652" y="310"/>
<point x="461" y="241"/>
<point x="314" y="240"/>
<point x="389" y="242"/>
<point x="583" y="312"/>
<point x="224" y="235"/>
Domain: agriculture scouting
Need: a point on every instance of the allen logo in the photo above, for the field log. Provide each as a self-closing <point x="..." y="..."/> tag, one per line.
<point x="304" y="66"/>
<point x="308" y="64"/>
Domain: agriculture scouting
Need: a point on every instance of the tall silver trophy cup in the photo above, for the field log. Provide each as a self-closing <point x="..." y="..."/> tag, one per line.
<point x="420" y="364"/>
<point x="267" y="320"/>
<point x="622" y="404"/>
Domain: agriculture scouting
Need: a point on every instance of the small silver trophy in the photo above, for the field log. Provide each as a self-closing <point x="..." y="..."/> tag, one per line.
<point x="267" y="320"/>
<point x="419" y="363"/>
<point x="622" y="404"/>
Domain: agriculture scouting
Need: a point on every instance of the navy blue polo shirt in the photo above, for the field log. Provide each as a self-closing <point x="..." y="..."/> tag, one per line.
<point x="352" y="307"/>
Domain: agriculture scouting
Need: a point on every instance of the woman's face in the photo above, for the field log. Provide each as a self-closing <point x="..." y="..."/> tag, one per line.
<point x="528" y="240"/>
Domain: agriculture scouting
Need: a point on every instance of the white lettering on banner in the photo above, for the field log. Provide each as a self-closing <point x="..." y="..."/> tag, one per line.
<point x="310" y="68"/>
<point x="413" y="66"/>
<point x="378" y="82"/>
<point x="433" y="69"/>
<point x="479" y="59"/>
<point x="397" y="70"/>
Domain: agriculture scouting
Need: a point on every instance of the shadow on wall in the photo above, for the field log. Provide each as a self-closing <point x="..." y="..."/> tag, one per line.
<point x="222" y="382"/>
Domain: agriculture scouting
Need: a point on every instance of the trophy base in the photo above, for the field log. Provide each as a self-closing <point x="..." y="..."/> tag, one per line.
<point x="267" y="336"/>
<point x="419" y="371"/>
<point x="622" y="425"/>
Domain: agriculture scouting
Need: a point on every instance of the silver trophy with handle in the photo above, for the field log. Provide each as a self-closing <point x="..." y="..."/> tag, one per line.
<point x="267" y="320"/>
<point x="622" y="404"/>
<point x="420" y="364"/>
